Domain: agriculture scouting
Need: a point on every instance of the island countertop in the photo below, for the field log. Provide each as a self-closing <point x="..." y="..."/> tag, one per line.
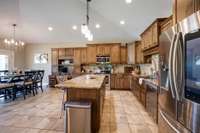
<point x="89" y="81"/>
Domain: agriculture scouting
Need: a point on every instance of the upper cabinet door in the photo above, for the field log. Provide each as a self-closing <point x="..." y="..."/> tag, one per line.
<point x="83" y="55"/>
<point x="115" y="54"/>
<point x="54" y="56"/>
<point x="139" y="57"/>
<point x="155" y="33"/>
<point x="77" y="56"/>
<point x="100" y="50"/>
<point x="123" y="55"/>
<point x="165" y="25"/>
<point x="184" y="8"/>
<point x="69" y="52"/>
<point x="61" y="53"/>
<point x="103" y="50"/>
<point x="107" y="50"/>
<point x="91" y="54"/>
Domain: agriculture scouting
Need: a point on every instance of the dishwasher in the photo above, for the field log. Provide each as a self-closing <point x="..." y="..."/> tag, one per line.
<point x="152" y="101"/>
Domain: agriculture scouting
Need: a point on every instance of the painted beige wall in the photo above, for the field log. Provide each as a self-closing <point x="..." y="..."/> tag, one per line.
<point x="19" y="58"/>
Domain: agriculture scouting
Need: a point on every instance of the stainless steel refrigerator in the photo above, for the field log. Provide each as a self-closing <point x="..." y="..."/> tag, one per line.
<point x="179" y="95"/>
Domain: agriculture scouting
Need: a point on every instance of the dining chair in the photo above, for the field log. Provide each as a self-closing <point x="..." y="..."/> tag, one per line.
<point x="4" y="87"/>
<point x="28" y="84"/>
<point x="18" y="81"/>
<point x="39" y="79"/>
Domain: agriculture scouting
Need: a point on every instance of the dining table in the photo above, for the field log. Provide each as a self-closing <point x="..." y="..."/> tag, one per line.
<point x="6" y="78"/>
<point x="7" y="83"/>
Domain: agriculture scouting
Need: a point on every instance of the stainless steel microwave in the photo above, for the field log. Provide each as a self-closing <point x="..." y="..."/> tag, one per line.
<point x="103" y="59"/>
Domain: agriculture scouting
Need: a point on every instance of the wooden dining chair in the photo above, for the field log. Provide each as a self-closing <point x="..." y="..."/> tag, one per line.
<point x="39" y="79"/>
<point x="5" y="87"/>
<point x="18" y="82"/>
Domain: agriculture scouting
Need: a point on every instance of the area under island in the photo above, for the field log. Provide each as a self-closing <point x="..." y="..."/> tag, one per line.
<point x="87" y="88"/>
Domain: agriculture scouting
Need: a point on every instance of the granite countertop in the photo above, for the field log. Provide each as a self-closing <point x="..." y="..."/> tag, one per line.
<point x="89" y="81"/>
<point x="152" y="82"/>
<point x="139" y="75"/>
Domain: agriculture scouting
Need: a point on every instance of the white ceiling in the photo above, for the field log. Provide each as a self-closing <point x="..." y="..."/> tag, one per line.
<point x="34" y="16"/>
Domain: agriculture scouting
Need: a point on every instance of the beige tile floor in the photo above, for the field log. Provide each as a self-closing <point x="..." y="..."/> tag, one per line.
<point x="41" y="114"/>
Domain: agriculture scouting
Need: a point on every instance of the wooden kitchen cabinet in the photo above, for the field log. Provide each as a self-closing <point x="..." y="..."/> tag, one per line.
<point x="136" y="88"/>
<point x="115" y="54"/>
<point x="143" y="95"/>
<point x="100" y="50"/>
<point x="107" y="50"/>
<point x="139" y="58"/>
<point x="149" y="42"/>
<point x="54" y="56"/>
<point x="150" y="37"/>
<point x="142" y="42"/>
<point x="83" y="55"/>
<point x="112" y="81"/>
<point x="61" y="53"/>
<point x="139" y="91"/>
<point x="103" y="50"/>
<point x="91" y="54"/>
<point x="69" y="52"/>
<point x="168" y="23"/>
<point x="77" y="56"/>
<point x="184" y="8"/>
<point x="127" y="81"/>
<point x="154" y="35"/>
<point x="120" y="82"/>
<point x="123" y="54"/>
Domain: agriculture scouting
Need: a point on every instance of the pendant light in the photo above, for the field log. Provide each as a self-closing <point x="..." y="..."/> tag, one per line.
<point x="85" y="27"/>
<point x="12" y="41"/>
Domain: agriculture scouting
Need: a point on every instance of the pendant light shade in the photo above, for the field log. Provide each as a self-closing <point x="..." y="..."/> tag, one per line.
<point x="85" y="27"/>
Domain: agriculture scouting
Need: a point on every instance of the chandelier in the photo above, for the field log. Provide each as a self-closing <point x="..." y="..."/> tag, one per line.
<point x="85" y="27"/>
<point x="12" y="41"/>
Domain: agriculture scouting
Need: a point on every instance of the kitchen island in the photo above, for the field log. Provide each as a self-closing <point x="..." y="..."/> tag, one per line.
<point x="87" y="88"/>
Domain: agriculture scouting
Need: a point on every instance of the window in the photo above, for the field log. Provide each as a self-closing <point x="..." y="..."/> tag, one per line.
<point x="3" y="62"/>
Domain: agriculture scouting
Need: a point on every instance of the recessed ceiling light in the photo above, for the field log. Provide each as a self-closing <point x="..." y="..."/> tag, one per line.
<point x="74" y="27"/>
<point x="50" y="28"/>
<point x="128" y="1"/>
<point x="122" y="22"/>
<point x="97" y="26"/>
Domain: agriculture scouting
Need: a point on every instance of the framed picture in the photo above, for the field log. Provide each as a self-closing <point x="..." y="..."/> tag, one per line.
<point x="41" y="58"/>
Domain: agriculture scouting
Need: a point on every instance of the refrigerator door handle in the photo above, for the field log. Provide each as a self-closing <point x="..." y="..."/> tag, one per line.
<point x="170" y="67"/>
<point x="182" y="71"/>
<point x="177" y="50"/>
<point x="168" y="122"/>
<point x="182" y="68"/>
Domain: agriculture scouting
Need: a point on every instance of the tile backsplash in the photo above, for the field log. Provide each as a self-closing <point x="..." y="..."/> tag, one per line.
<point x="147" y="69"/>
